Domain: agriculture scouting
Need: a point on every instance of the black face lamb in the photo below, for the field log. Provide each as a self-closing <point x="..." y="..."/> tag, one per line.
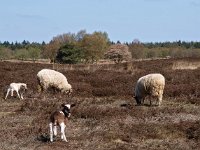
<point x="60" y="118"/>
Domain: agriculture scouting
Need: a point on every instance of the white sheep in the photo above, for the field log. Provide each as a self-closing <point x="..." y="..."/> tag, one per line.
<point x="18" y="87"/>
<point x="152" y="85"/>
<point x="60" y="118"/>
<point x="50" y="78"/>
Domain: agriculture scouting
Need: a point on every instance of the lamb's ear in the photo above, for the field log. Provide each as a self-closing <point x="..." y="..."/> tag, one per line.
<point x="63" y="105"/>
<point x="25" y="86"/>
<point x="72" y="105"/>
<point x="66" y="105"/>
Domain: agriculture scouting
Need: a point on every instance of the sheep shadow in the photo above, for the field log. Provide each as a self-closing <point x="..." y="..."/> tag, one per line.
<point x="147" y="105"/>
<point x="130" y="106"/>
<point x="127" y="105"/>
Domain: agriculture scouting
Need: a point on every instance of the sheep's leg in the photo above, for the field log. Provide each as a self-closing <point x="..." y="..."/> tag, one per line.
<point x="39" y="88"/>
<point x="7" y="93"/>
<point x="159" y="100"/>
<point x="62" y="129"/>
<point x="142" y="101"/>
<point x="150" y="100"/>
<point x="51" y="131"/>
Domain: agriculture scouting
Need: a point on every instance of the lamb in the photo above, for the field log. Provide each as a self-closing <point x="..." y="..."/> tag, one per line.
<point x="152" y="85"/>
<point x="20" y="89"/>
<point x="50" y="78"/>
<point x="60" y="118"/>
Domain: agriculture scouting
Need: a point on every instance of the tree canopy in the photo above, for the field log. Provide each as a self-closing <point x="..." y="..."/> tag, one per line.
<point x="83" y="47"/>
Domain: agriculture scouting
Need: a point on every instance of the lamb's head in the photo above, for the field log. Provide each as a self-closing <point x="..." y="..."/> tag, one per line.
<point x="66" y="109"/>
<point x="23" y="86"/>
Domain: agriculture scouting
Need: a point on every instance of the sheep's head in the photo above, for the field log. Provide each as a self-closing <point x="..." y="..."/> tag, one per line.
<point x="138" y="100"/>
<point x="68" y="90"/>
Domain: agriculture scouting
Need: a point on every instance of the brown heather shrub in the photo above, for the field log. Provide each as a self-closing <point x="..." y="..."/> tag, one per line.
<point x="193" y="132"/>
<point x="105" y="115"/>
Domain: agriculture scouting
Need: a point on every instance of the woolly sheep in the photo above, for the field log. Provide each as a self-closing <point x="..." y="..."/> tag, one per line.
<point x="50" y="78"/>
<point x="18" y="87"/>
<point x="152" y="85"/>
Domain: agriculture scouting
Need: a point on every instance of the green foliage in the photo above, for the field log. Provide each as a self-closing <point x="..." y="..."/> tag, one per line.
<point x="5" y="53"/>
<point x="21" y="54"/>
<point x="137" y="50"/>
<point x="94" y="46"/>
<point x="34" y="53"/>
<point x="70" y="54"/>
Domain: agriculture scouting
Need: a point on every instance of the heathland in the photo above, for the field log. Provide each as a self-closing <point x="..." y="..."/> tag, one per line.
<point x="105" y="115"/>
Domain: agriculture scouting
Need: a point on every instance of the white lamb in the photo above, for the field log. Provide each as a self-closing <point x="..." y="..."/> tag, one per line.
<point x="48" y="78"/>
<point x="152" y="85"/>
<point x="18" y="87"/>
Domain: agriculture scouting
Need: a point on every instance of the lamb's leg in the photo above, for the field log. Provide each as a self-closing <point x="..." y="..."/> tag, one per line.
<point x="55" y="130"/>
<point x="7" y="93"/>
<point x="62" y="129"/>
<point x="22" y="95"/>
<point x="18" y="94"/>
<point x="11" y="92"/>
<point x="51" y="131"/>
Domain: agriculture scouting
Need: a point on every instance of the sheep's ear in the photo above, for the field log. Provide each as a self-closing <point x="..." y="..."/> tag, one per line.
<point x="135" y="97"/>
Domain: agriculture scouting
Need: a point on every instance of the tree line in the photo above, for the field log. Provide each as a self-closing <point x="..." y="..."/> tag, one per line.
<point x="83" y="47"/>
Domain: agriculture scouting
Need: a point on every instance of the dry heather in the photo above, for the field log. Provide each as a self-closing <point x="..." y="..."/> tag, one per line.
<point x="105" y="115"/>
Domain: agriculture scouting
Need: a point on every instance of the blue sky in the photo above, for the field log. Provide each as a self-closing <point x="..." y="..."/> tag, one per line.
<point x="123" y="20"/>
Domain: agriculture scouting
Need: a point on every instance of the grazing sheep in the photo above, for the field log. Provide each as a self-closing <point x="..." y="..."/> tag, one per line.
<point x="20" y="89"/>
<point x="152" y="85"/>
<point x="50" y="78"/>
<point x="60" y="118"/>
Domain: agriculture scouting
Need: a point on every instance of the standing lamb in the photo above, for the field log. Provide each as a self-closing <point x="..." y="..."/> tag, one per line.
<point x="60" y="118"/>
<point x="20" y="89"/>
<point x="152" y="85"/>
<point x="48" y="78"/>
